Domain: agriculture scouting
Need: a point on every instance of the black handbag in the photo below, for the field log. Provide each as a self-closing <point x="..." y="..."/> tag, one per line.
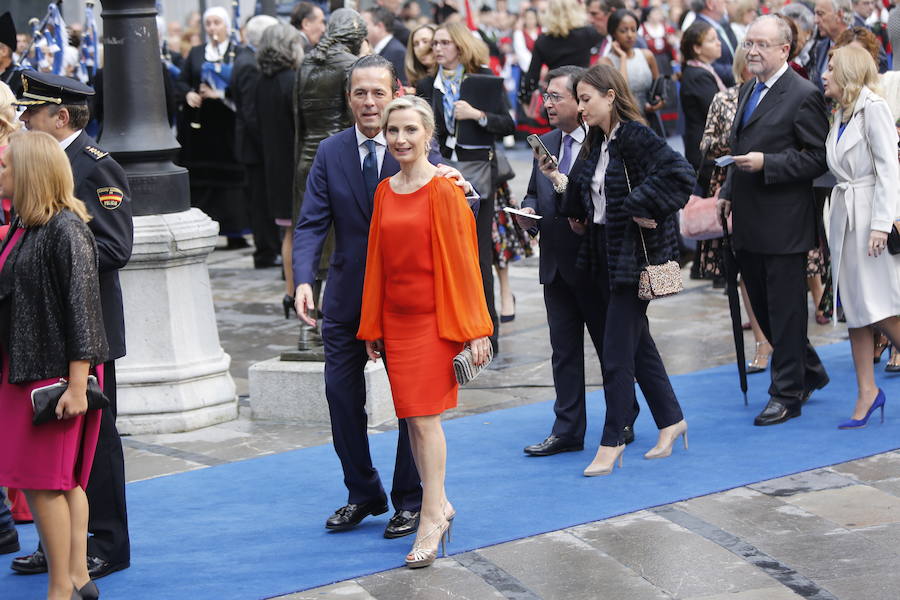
<point x="661" y="90"/>
<point x="893" y="241"/>
<point x="45" y="399"/>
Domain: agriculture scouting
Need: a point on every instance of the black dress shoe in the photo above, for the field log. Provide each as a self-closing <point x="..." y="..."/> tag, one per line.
<point x="98" y="567"/>
<point x="30" y="565"/>
<point x="629" y="434"/>
<point x="9" y="541"/>
<point x="349" y="516"/>
<point x="816" y="386"/>
<point x="553" y="445"/>
<point x="776" y="412"/>
<point x="404" y="522"/>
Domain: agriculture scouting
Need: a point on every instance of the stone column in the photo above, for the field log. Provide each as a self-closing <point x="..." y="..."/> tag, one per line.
<point x="175" y="376"/>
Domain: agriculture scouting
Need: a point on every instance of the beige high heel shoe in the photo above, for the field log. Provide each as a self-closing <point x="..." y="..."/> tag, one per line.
<point x="680" y="430"/>
<point x="419" y="556"/>
<point x="594" y="469"/>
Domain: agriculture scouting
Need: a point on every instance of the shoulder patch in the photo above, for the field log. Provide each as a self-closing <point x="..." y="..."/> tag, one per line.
<point x="95" y="153"/>
<point x="110" y="197"/>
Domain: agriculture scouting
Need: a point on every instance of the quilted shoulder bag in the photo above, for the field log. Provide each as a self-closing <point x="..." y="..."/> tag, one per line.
<point x="656" y="281"/>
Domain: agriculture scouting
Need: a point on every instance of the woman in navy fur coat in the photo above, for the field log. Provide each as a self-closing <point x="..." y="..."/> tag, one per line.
<point x="626" y="182"/>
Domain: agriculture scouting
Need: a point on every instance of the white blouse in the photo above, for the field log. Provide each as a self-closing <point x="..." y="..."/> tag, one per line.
<point x="598" y="195"/>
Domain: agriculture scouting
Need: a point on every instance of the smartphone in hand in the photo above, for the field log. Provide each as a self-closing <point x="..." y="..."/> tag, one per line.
<point x="538" y="146"/>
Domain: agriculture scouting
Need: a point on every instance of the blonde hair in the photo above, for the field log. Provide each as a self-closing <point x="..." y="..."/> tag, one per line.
<point x="563" y="16"/>
<point x="43" y="178"/>
<point x="739" y="65"/>
<point x="473" y="53"/>
<point x="852" y="69"/>
<point x="8" y="121"/>
<point x="410" y="103"/>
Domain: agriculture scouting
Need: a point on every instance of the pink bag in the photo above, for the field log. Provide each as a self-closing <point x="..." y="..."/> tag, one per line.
<point x="700" y="220"/>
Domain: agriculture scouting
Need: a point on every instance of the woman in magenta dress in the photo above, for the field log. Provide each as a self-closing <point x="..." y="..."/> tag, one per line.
<point x="50" y="328"/>
<point x="422" y="301"/>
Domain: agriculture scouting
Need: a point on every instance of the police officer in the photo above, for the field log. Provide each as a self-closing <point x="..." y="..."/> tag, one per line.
<point x="59" y="106"/>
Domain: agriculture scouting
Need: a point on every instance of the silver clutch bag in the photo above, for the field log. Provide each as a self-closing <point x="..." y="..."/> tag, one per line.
<point x="465" y="368"/>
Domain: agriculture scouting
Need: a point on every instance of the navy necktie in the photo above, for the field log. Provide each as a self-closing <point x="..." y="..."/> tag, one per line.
<point x="752" y="101"/>
<point x="370" y="170"/>
<point x="566" y="163"/>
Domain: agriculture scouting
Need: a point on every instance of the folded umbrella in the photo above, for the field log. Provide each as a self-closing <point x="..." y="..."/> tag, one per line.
<point x="732" y="270"/>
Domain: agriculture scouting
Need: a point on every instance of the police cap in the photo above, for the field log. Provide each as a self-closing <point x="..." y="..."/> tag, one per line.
<point x="46" y="88"/>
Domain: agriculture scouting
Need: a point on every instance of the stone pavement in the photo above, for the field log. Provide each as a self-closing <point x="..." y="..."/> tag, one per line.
<point x="823" y="534"/>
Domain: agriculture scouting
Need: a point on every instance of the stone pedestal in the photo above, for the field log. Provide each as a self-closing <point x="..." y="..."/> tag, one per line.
<point x="295" y="391"/>
<point x="175" y="376"/>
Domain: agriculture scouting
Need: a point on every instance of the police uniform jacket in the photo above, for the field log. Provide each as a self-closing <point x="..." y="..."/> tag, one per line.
<point x="100" y="183"/>
<point x="48" y="288"/>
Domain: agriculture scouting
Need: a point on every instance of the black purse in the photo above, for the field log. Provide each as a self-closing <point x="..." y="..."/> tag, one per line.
<point x="45" y="399"/>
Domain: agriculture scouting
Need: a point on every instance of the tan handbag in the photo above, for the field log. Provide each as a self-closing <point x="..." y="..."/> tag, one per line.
<point x="656" y="281"/>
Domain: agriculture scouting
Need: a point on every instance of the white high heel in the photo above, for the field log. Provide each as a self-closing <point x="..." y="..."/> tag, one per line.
<point x="593" y="470"/>
<point x="680" y="430"/>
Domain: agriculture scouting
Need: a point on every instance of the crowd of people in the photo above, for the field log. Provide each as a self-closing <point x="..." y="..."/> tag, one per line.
<point x="364" y="151"/>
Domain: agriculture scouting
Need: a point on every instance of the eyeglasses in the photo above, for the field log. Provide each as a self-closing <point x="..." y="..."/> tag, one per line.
<point x="436" y="43"/>
<point x="748" y="45"/>
<point x="554" y="98"/>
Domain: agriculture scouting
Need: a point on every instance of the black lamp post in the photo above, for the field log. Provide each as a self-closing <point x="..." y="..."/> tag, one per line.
<point x="135" y="126"/>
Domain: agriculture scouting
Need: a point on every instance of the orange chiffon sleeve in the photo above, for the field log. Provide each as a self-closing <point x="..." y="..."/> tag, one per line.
<point x="462" y="313"/>
<point x="370" y="321"/>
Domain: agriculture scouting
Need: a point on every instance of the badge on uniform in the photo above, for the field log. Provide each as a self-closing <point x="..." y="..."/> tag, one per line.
<point x="110" y="197"/>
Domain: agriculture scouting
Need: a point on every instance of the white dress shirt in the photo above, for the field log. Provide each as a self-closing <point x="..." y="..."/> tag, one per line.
<point x="598" y="183"/>
<point x="382" y="44"/>
<point x="771" y="81"/>
<point x="68" y="141"/>
<point x="380" y="147"/>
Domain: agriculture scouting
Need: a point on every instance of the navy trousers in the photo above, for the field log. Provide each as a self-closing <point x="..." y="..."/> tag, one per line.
<point x="345" y="389"/>
<point x="630" y="354"/>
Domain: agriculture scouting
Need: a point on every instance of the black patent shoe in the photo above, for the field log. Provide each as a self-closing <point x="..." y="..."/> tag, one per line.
<point x="9" y="541"/>
<point x="553" y="445"/>
<point x="98" y="567"/>
<point x="30" y="565"/>
<point x="404" y="522"/>
<point x="350" y="515"/>
<point x="629" y="434"/>
<point x="776" y="412"/>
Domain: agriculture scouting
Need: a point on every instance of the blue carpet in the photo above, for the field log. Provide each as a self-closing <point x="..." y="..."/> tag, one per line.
<point x="254" y="529"/>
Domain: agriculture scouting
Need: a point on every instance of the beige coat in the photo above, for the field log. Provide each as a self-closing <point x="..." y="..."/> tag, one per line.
<point x="865" y="198"/>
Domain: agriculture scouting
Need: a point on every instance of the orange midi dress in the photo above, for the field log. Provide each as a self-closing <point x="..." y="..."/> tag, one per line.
<point x="402" y="307"/>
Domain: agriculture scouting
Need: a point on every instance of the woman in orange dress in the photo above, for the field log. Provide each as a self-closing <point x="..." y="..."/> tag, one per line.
<point x="422" y="301"/>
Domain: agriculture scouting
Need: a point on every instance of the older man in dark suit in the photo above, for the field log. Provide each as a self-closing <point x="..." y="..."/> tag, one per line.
<point x="339" y="192"/>
<point x="778" y="139"/>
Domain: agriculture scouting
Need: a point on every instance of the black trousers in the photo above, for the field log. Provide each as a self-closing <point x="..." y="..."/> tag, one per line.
<point x="484" y="223"/>
<point x="108" y="522"/>
<point x="630" y="353"/>
<point x="569" y="309"/>
<point x="345" y="390"/>
<point x="776" y="285"/>
<point x="266" y="237"/>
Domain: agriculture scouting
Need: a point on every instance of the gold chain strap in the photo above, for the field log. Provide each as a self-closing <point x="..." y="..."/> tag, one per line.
<point x="644" y="244"/>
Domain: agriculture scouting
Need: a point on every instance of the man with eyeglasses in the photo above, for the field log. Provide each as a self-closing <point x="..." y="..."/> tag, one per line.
<point x="572" y="297"/>
<point x="778" y="140"/>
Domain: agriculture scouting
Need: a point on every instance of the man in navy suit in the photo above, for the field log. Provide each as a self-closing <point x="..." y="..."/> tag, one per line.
<point x="379" y="25"/>
<point x="339" y="192"/>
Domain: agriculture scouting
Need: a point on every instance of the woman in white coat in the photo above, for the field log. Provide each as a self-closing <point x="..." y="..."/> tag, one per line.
<point x="862" y="155"/>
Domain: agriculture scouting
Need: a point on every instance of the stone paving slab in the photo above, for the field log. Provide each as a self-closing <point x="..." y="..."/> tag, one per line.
<point x="851" y="507"/>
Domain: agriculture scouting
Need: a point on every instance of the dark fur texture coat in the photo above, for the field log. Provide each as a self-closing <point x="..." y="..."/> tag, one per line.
<point x="50" y="301"/>
<point x="661" y="183"/>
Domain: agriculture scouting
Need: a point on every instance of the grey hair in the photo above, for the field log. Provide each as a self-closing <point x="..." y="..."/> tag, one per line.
<point x="255" y="26"/>
<point x="845" y="7"/>
<point x="410" y="103"/>
<point x="784" y="29"/>
<point x="800" y="15"/>
<point x="280" y="48"/>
